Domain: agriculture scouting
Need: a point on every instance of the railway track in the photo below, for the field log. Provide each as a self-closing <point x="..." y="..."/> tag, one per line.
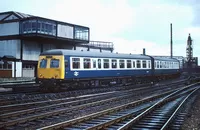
<point x="50" y="112"/>
<point x="160" y="115"/>
<point x="155" y="112"/>
<point x="7" y="99"/>
<point x="52" y="109"/>
<point x="54" y="99"/>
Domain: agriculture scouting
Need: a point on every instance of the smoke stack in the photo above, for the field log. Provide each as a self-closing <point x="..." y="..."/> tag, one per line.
<point x="171" y="49"/>
<point x="144" y="51"/>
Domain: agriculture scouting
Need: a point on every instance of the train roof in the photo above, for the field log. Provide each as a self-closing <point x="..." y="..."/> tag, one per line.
<point x="165" y="58"/>
<point x="101" y="55"/>
<point x="93" y="54"/>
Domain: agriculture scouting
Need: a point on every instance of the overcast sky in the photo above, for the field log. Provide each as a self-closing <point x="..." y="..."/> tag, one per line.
<point x="130" y="24"/>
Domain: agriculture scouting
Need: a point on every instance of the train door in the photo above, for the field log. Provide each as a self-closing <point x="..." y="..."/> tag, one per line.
<point x="67" y="65"/>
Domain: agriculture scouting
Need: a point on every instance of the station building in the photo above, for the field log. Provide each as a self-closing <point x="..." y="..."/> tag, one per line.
<point x="23" y="37"/>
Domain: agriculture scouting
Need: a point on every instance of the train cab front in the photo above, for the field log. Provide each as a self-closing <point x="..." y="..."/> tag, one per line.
<point x="50" y="70"/>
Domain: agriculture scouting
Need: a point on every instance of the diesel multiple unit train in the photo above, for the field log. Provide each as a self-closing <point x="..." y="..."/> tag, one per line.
<point x="71" y="68"/>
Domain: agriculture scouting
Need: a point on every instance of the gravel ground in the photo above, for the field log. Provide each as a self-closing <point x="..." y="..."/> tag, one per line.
<point x="192" y="121"/>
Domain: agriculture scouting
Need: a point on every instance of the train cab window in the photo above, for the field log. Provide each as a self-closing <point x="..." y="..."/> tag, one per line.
<point x="133" y="64"/>
<point x="149" y="64"/>
<point x="43" y="63"/>
<point x="94" y="63"/>
<point x="86" y="63"/>
<point x="128" y="63"/>
<point x="99" y="63"/>
<point x="76" y="63"/>
<point x="138" y="64"/>
<point x="114" y="63"/>
<point x="121" y="64"/>
<point x="144" y="64"/>
<point x="105" y="63"/>
<point x="54" y="63"/>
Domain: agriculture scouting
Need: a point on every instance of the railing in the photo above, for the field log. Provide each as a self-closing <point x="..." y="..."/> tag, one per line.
<point x="100" y="44"/>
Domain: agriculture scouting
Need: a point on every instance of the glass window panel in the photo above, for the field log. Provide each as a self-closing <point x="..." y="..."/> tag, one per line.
<point x="9" y="66"/>
<point x="128" y="64"/>
<point x="43" y="63"/>
<point x="144" y="64"/>
<point x="161" y="64"/>
<point x="138" y="64"/>
<point x="106" y="63"/>
<point x="94" y="63"/>
<point x="76" y="63"/>
<point x="87" y="63"/>
<point x="133" y="64"/>
<point x="121" y="64"/>
<point x="99" y="63"/>
<point x="54" y="63"/>
<point x="149" y="64"/>
<point x="34" y="26"/>
<point x="114" y="63"/>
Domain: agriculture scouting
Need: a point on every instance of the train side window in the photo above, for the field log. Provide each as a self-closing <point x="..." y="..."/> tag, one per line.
<point x="99" y="63"/>
<point x="87" y="63"/>
<point x="54" y="63"/>
<point x="133" y="64"/>
<point x="128" y="63"/>
<point x="121" y="64"/>
<point x="114" y="63"/>
<point x="138" y="64"/>
<point x="160" y="64"/>
<point x="75" y="63"/>
<point x="144" y="64"/>
<point x="105" y="63"/>
<point x="149" y="64"/>
<point x="155" y="64"/>
<point x="94" y="63"/>
<point x="43" y="63"/>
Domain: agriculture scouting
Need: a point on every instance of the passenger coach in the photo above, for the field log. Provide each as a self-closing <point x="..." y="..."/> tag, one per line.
<point x="72" y="65"/>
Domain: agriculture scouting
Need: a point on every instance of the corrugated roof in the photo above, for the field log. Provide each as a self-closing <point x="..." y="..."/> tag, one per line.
<point x="22" y="15"/>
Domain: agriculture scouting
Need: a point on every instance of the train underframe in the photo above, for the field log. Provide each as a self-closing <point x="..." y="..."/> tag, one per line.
<point x="57" y="85"/>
